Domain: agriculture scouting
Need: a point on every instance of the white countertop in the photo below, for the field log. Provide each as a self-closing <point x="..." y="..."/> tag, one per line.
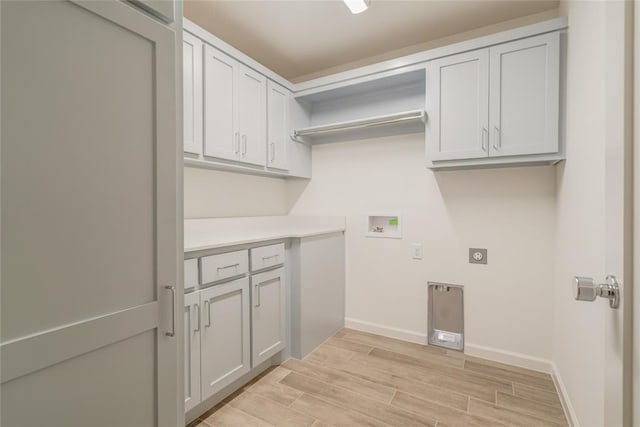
<point x="211" y="233"/>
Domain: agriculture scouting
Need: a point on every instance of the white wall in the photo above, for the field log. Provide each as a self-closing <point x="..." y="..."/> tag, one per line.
<point x="578" y="338"/>
<point x="209" y="193"/>
<point x="508" y="305"/>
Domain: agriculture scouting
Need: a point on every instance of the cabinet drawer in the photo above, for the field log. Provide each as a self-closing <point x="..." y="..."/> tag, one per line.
<point x="223" y="266"/>
<point x="267" y="256"/>
<point x="190" y="273"/>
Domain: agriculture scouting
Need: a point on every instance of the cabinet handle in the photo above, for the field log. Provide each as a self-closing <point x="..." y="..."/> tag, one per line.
<point x="236" y="143"/>
<point x="257" y="295"/>
<point x="244" y="144"/>
<point x="485" y="139"/>
<point x="228" y="266"/>
<point x="172" y="289"/>
<point x="207" y="308"/>
<point x="197" y="306"/>
<point x="497" y="144"/>
<point x="273" y="152"/>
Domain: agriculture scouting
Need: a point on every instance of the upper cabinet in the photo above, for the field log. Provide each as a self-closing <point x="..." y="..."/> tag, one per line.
<point x="192" y="94"/>
<point x="495" y="106"/>
<point x="278" y="99"/>
<point x="252" y="115"/>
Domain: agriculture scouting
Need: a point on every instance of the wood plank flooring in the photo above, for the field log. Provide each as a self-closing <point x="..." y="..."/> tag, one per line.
<point x="360" y="379"/>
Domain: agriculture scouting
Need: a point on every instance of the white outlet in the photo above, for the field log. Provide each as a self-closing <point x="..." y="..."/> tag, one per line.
<point x="416" y="251"/>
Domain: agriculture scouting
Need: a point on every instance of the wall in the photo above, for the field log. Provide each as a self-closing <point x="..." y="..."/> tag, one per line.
<point x="209" y="193"/>
<point x="579" y="327"/>
<point x="510" y="211"/>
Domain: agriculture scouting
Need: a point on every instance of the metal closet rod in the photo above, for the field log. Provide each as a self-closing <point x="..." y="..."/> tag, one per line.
<point x="356" y="125"/>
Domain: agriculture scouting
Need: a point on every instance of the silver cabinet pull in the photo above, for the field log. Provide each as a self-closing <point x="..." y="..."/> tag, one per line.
<point x="197" y="306"/>
<point x="586" y="289"/>
<point x="236" y="143"/>
<point x="485" y="138"/>
<point x="172" y="289"/>
<point x="496" y="138"/>
<point x="207" y="308"/>
<point x="273" y="152"/>
<point x="244" y="144"/>
<point x="264" y="258"/>
<point x="228" y="266"/>
<point x="257" y="295"/>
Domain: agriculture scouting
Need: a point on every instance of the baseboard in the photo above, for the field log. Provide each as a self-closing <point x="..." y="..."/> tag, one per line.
<point x="509" y="357"/>
<point x="564" y="397"/>
<point x="386" y="331"/>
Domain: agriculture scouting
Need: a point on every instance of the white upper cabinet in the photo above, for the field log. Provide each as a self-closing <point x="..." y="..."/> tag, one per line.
<point x="192" y="93"/>
<point x="252" y="115"/>
<point x="495" y="106"/>
<point x="525" y="96"/>
<point x="458" y="106"/>
<point x="221" y="136"/>
<point x="278" y="99"/>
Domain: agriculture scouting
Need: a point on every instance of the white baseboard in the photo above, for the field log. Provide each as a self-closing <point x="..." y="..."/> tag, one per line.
<point x="564" y="397"/>
<point x="386" y="331"/>
<point x="509" y="357"/>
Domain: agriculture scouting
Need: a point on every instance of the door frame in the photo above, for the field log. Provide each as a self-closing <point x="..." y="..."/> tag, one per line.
<point x="618" y="205"/>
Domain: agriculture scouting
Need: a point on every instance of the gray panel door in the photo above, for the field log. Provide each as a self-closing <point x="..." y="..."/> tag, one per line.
<point x="89" y="161"/>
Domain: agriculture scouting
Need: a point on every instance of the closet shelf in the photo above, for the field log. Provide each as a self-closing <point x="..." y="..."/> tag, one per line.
<point x="385" y="125"/>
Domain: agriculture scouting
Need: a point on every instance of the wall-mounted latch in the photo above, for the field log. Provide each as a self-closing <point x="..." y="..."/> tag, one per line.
<point x="586" y="289"/>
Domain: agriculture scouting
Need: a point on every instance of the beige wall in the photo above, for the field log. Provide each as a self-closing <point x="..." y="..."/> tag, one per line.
<point x="578" y="338"/>
<point x="508" y="305"/>
<point x="209" y="193"/>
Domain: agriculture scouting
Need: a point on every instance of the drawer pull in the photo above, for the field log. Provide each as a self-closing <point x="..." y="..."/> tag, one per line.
<point x="264" y="258"/>
<point x="229" y="266"/>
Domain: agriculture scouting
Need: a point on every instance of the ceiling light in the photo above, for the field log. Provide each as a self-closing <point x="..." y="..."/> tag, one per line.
<point x="357" y="6"/>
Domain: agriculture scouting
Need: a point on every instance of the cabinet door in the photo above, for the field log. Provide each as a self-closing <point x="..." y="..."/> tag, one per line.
<point x="192" y="328"/>
<point x="221" y="138"/>
<point x="252" y="116"/>
<point x="458" y="104"/>
<point x="268" y="315"/>
<point x="225" y="335"/>
<point x="192" y="93"/>
<point x="525" y="96"/>
<point x="277" y="126"/>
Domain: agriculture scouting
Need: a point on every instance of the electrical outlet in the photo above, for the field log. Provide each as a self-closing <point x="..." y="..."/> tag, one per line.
<point x="477" y="256"/>
<point x="416" y="251"/>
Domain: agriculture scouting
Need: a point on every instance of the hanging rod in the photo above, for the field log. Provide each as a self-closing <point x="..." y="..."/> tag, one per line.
<point x="396" y="118"/>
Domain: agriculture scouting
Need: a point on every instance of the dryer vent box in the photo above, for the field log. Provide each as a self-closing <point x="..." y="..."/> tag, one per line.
<point x="446" y="315"/>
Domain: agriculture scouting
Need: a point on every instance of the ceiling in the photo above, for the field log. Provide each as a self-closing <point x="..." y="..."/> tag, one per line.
<point x="299" y="39"/>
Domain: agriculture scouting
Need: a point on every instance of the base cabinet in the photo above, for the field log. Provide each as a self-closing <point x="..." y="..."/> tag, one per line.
<point x="225" y="336"/>
<point x="268" y="322"/>
<point x="192" y="329"/>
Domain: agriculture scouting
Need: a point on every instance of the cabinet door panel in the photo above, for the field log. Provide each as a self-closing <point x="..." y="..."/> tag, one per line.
<point x="192" y="328"/>
<point x="220" y="76"/>
<point x="277" y="126"/>
<point x="192" y="93"/>
<point x="525" y="96"/>
<point x="252" y="116"/>
<point x="457" y="100"/>
<point x="225" y="335"/>
<point x="268" y="315"/>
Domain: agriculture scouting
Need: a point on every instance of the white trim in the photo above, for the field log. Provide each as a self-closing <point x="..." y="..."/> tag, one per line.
<point x="569" y="412"/>
<point x="509" y="357"/>
<point x="385" y="331"/>
<point x="368" y="72"/>
<point x="214" y="41"/>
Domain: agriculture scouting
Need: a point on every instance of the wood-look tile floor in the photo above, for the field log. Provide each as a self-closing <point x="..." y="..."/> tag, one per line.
<point x="360" y="379"/>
